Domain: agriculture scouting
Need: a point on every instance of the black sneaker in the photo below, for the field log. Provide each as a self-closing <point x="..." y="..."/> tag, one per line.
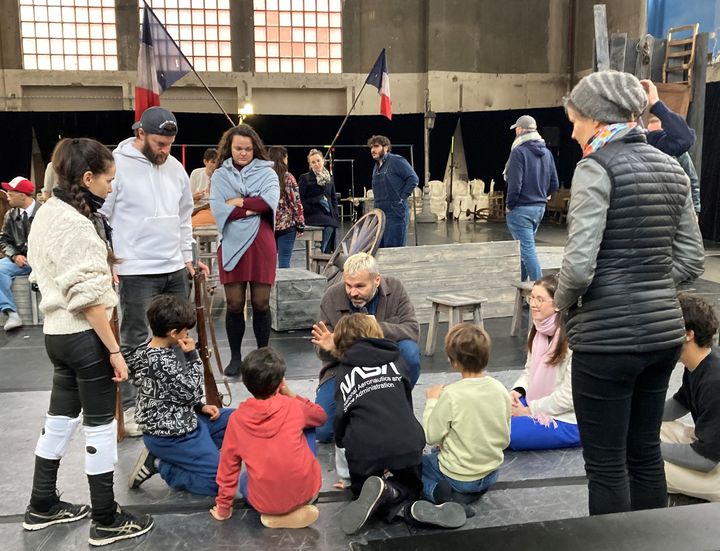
<point x="374" y="492"/>
<point x="447" y="515"/>
<point x="60" y="513"/>
<point x="144" y="468"/>
<point x="123" y="527"/>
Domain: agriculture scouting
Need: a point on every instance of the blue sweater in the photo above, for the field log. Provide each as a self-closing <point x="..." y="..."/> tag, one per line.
<point x="675" y="137"/>
<point x="531" y="175"/>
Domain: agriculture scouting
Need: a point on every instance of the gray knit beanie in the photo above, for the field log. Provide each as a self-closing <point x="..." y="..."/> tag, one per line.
<point x="609" y="96"/>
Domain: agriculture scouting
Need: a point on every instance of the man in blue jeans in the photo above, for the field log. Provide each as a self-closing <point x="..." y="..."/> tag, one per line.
<point x="531" y="178"/>
<point x="363" y="290"/>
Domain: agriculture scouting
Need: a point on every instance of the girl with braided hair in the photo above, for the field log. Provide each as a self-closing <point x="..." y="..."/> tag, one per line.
<point x="69" y="249"/>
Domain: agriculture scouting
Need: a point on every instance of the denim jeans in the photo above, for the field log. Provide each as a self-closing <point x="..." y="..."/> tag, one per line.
<point x="8" y="272"/>
<point x="285" y="243"/>
<point x="397" y="219"/>
<point x="190" y="461"/>
<point x="619" y="401"/>
<point x="431" y="475"/>
<point x="325" y="396"/>
<point x="523" y="222"/>
<point x="136" y="294"/>
<point x="328" y="243"/>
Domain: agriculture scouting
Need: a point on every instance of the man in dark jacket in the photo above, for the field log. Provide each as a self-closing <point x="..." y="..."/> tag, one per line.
<point x="393" y="181"/>
<point x="363" y="290"/>
<point x="13" y="243"/>
<point x="531" y="178"/>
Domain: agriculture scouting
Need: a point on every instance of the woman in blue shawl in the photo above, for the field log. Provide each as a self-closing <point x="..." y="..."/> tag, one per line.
<point x="244" y="195"/>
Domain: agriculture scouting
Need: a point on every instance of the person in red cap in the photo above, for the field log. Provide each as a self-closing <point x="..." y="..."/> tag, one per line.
<point x="13" y="243"/>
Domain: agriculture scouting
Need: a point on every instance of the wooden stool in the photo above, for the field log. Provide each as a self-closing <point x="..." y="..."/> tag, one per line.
<point x="523" y="290"/>
<point x="456" y="305"/>
<point x="206" y="238"/>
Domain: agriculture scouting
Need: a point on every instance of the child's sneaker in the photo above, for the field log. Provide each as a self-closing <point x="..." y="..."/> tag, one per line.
<point x="123" y="527"/>
<point x="375" y="492"/>
<point x="144" y="468"/>
<point x="446" y="515"/>
<point x="301" y="517"/>
<point x="60" y="513"/>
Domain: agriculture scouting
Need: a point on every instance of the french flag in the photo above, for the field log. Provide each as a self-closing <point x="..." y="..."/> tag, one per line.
<point x="160" y="63"/>
<point x="380" y="79"/>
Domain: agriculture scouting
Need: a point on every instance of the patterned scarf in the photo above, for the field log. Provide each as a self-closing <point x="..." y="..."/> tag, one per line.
<point x="323" y="177"/>
<point x="604" y="135"/>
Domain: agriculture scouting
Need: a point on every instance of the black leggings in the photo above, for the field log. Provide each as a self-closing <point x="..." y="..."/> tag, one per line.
<point x="82" y="379"/>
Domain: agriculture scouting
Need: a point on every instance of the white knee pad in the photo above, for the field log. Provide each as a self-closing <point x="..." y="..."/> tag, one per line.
<point x="56" y="435"/>
<point x="100" y="448"/>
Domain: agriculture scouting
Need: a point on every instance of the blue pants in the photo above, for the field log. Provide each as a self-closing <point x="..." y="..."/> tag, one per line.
<point x="527" y="434"/>
<point x="523" y="222"/>
<point x="190" y="462"/>
<point x="285" y="244"/>
<point x="397" y="219"/>
<point x="328" y="243"/>
<point x="309" y="436"/>
<point x="8" y="272"/>
<point x="431" y="475"/>
<point x="325" y="396"/>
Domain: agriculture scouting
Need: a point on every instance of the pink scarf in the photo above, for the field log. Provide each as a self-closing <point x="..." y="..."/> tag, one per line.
<point x="543" y="375"/>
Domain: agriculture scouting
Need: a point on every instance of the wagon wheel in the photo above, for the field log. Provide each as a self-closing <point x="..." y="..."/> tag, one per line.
<point x="363" y="237"/>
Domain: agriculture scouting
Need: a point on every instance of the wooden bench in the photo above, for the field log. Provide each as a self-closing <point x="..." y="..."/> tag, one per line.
<point x="27" y="301"/>
<point x="456" y="305"/>
<point x="312" y="236"/>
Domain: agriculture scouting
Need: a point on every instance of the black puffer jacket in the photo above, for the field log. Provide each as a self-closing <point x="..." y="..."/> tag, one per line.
<point x="632" y="236"/>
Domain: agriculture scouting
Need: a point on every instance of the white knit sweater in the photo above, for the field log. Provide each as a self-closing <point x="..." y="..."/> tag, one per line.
<point x="69" y="264"/>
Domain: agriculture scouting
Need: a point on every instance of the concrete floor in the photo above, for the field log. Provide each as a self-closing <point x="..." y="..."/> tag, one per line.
<point x="534" y="486"/>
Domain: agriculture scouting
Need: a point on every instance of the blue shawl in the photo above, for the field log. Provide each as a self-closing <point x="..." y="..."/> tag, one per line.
<point x="257" y="179"/>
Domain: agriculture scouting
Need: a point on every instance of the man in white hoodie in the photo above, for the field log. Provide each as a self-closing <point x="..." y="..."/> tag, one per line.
<point x="149" y="211"/>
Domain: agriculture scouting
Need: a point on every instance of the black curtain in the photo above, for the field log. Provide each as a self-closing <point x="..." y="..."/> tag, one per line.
<point x="710" y="174"/>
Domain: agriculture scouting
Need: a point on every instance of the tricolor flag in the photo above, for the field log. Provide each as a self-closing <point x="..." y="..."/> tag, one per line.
<point x="380" y="79"/>
<point x="160" y="63"/>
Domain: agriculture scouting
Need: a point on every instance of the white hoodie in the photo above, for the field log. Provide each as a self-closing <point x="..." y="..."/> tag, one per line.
<point x="149" y="211"/>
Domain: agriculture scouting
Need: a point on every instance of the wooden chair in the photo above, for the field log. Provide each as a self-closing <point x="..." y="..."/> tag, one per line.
<point x="456" y="306"/>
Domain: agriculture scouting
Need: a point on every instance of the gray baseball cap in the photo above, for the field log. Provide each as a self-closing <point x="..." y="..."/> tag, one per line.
<point x="156" y="120"/>
<point x="526" y="122"/>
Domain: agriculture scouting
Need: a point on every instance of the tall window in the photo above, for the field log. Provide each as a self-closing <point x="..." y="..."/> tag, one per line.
<point x="201" y="28"/>
<point x="68" y="34"/>
<point x="298" y="36"/>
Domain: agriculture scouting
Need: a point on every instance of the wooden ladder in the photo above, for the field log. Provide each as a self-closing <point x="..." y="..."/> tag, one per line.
<point x="680" y="55"/>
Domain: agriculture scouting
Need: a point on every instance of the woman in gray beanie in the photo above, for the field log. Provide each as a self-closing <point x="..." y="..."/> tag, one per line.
<point x="632" y="237"/>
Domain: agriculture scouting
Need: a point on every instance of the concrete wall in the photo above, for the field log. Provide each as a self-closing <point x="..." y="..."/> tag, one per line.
<point x="470" y="55"/>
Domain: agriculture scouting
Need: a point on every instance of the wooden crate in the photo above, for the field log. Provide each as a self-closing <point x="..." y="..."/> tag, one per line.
<point x="295" y="299"/>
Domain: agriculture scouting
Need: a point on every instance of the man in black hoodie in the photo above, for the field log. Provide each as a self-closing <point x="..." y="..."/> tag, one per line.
<point x="531" y="178"/>
<point x="375" y="423"/>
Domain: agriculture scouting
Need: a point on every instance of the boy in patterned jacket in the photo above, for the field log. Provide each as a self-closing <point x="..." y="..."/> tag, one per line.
<point x="182" y="435"/>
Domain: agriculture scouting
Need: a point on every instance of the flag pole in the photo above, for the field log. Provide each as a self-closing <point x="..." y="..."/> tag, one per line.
<point x="192" y="67"/>
<point x="337" y="135"/>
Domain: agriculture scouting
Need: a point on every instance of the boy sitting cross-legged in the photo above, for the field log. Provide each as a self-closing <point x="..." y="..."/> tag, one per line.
<point x="469" y="420"/>
<point x="271" y="432"/>
<point x="182" y="435"/>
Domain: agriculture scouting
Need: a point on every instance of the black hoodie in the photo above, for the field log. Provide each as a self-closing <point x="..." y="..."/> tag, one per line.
<point x="374" y="419"/>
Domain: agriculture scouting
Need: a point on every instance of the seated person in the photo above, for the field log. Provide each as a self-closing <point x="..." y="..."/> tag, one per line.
<point x="13" y="244"/>
<point x="375" y="424"/>
<point x="200" y="177"/>
<point x="363" y="290"/>
<point x="692" y="454"/>
<point x="182" y="436"/>
<point x="272" y="433"/>
<point x="542" y="403"/>
<point x="468" y="420"/>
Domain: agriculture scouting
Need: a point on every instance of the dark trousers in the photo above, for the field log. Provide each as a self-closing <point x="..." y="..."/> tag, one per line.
<point x="136" y="294"/>
<point x="82" y="378"/>
<point x="407" y="483"/>
<point x="619" y="400"/>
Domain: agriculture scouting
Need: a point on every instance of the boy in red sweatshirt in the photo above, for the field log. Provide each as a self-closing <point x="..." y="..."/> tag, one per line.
<point x="269" y="432"/>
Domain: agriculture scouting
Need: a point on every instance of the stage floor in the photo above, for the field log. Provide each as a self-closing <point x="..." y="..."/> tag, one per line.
<point x="534" y="486"/>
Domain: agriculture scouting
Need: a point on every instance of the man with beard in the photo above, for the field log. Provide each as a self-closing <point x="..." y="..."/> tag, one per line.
<point x="363" y="290"/>
<point x="149" y="210"/>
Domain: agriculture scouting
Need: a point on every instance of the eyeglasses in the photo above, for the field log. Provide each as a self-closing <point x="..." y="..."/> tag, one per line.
<point x="538" y="300"/>
<point x="168" y="126"/>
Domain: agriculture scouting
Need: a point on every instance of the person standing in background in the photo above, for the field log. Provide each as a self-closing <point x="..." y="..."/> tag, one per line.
<point x="289" y="219"/>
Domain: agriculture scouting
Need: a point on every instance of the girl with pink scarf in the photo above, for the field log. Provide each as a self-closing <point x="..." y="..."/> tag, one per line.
<point x="542" y="407"/>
